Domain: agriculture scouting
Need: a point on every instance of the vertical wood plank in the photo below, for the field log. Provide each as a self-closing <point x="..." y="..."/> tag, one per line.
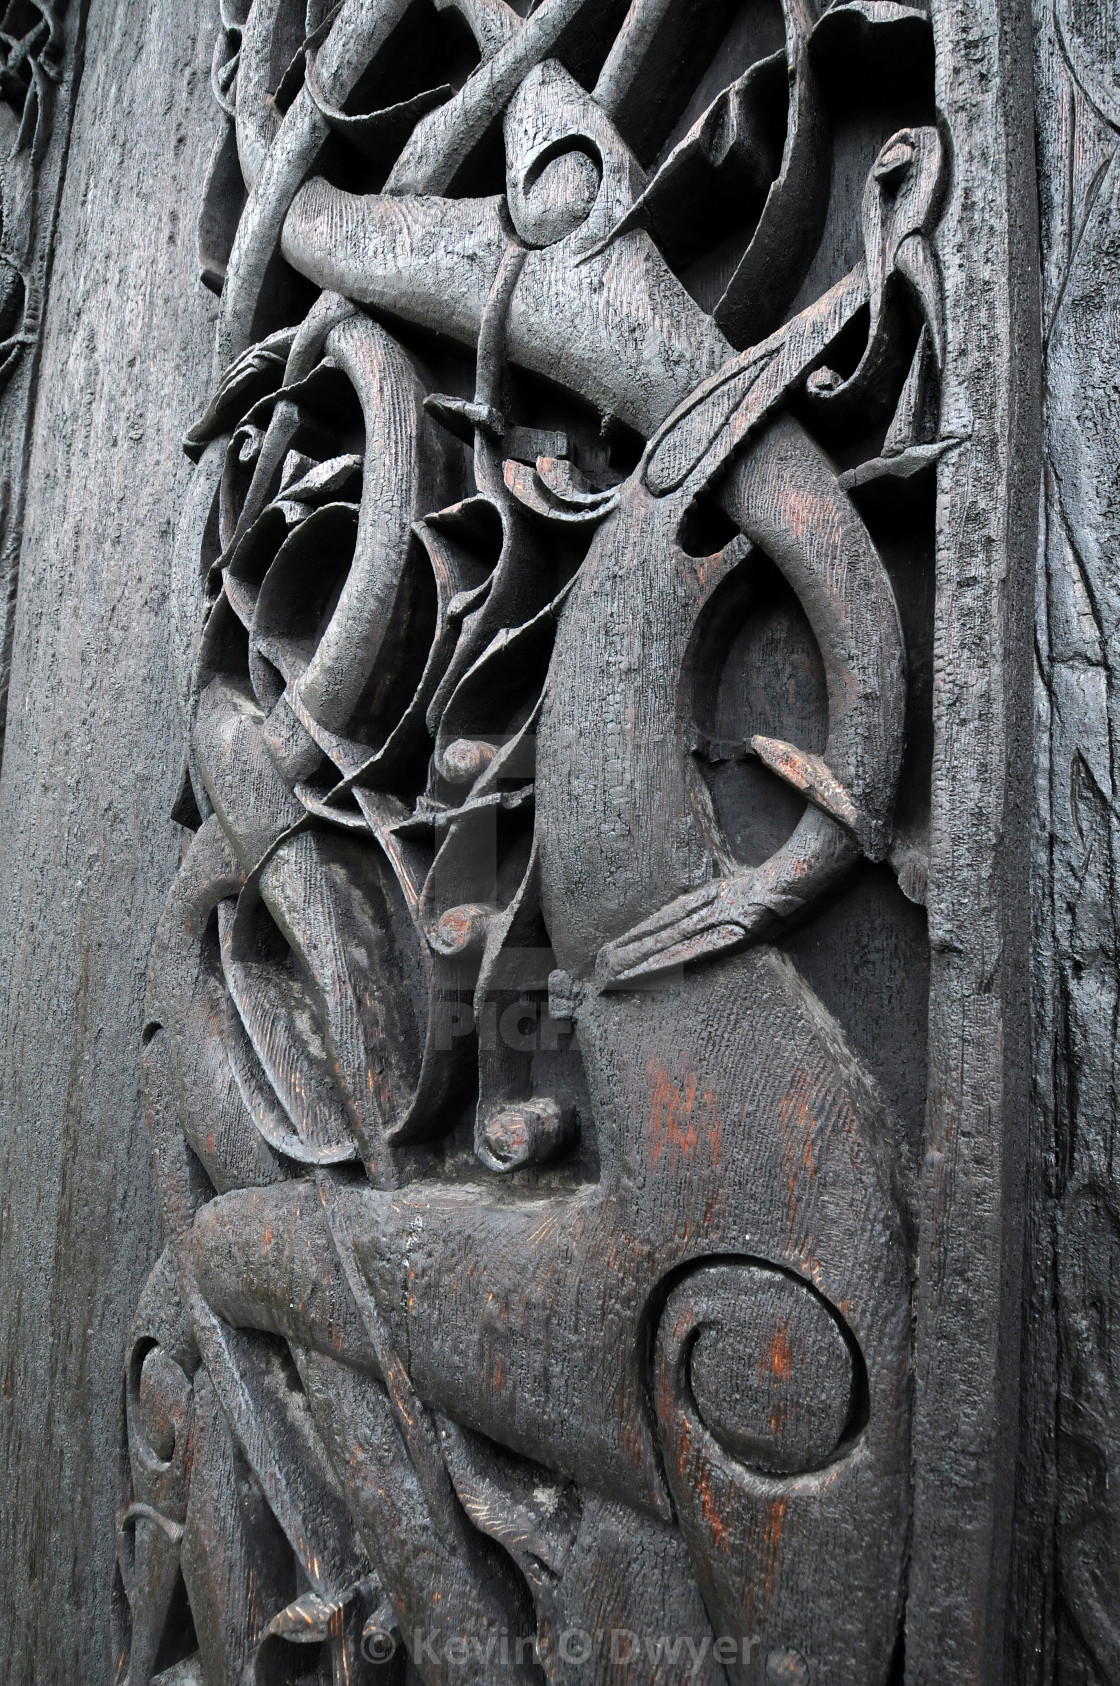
<point x="90" y="771"/>
<point x="972" y="1232"/>
<point x="1074" y="1468"/>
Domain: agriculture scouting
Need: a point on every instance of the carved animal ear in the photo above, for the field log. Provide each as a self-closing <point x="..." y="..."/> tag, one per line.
<point x="698" y="438"/>
<point x="720" y="173"/>
<point x="792" y="219"/>
<point x="660" y="56"/>
<point x="701" y="430"/>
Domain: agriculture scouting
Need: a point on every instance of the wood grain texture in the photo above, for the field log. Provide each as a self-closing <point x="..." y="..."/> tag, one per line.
<point x="520" y="1319"/>
<point x="1071" y="1629"/>
<point x="711" y="1141"/>
<point x="41" y="65"/>
<point x="92" y="765"/>
<point x="587" y="1039"/>
<point x="972" y="1216"/>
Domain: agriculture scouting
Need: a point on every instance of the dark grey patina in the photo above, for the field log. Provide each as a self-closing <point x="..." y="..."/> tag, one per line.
<point x="606" y="1231"/>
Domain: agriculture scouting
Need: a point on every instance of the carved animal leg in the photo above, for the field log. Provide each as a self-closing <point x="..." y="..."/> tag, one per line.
<point x="270" y="1264"/>
<point x="785" y="496"/>
<point x="734" y="1125"/>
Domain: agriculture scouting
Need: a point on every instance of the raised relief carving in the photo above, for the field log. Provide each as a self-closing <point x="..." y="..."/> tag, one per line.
<point x="36" y="54"/>
<point x="31" y="50"/>
<point x="535" y="1031"/>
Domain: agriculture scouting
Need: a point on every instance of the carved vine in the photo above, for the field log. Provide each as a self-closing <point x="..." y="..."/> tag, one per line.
<point x="536" y="1301"/>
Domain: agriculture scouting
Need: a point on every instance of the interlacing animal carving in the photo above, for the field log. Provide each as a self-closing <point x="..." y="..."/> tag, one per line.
<point x="536" y="1295"/>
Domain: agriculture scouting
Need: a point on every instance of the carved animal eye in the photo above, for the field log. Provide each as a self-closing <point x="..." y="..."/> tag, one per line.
<point x="894" y="162"/>
<point x="558" y="193"/>
<point x="158" y="1407"/>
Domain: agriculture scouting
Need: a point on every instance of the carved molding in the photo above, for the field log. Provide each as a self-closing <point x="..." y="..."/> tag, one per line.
<point x="601" y="668"/>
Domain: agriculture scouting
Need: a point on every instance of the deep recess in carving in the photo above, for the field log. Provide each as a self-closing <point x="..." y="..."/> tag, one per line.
<point x="535" y="1042"/>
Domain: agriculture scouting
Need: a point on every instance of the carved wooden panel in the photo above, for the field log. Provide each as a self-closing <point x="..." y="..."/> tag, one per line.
<point x="604" y="665"/>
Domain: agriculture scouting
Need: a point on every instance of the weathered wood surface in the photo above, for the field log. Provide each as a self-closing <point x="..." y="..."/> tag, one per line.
<point x="969" y="1319"/>
<point x="691" y="672"/>
<point x="40" y="68"/>
<point x="92" y="762"/>
<point x="551" y="1264"/>
<point x="1073" y="1472"/>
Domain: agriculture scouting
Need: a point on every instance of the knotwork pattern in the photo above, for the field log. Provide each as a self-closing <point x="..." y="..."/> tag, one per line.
<point x="554" y="632"/>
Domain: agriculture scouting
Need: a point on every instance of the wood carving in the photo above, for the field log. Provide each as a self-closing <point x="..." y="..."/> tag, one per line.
<point x="535" y="1034"/>
<point x="31" y="49"/>
<point x="36" y="55"/>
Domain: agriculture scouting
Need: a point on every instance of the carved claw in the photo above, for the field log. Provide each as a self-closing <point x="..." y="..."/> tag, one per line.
<point x="812" y="776"/>
<point x="719" y="916"/>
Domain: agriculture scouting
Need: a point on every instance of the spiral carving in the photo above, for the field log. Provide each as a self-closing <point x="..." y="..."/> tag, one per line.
<point x="759" y="1362"/>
